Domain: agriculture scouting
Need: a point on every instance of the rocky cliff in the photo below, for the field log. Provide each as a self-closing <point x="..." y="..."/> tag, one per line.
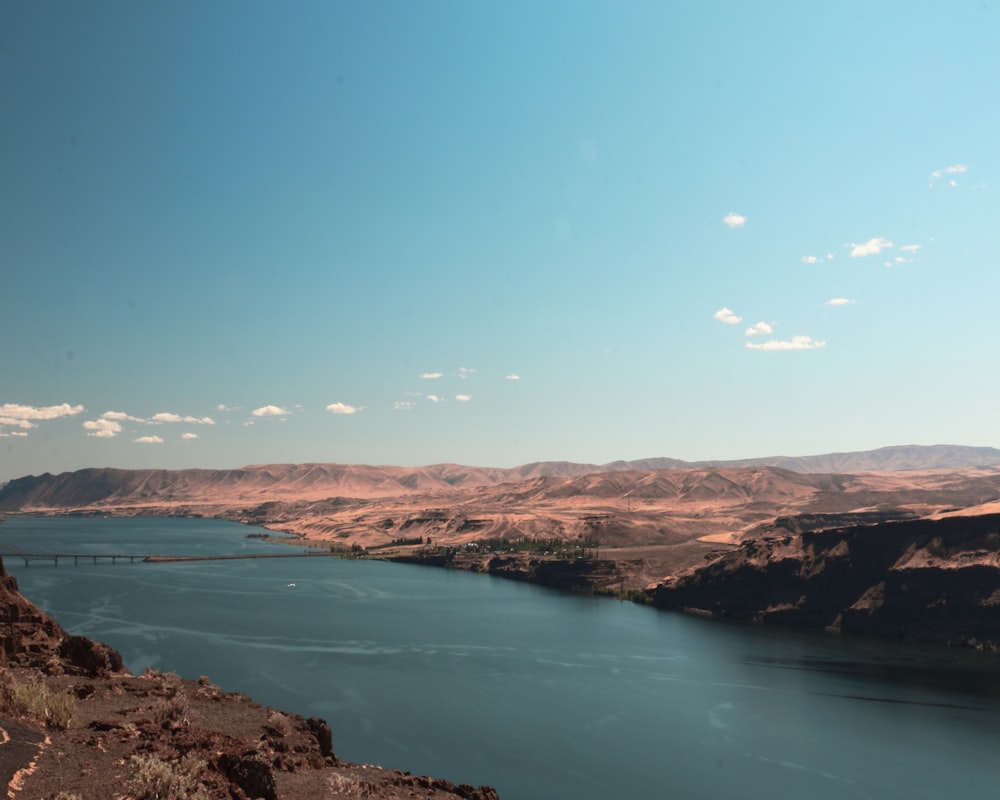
<point x="74" y="723"/>
<point x="932" y="580"/>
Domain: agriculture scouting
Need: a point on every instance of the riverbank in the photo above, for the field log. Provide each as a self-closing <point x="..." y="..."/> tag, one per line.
<point x="74" y="723"/>
<point x="587" y="575"/>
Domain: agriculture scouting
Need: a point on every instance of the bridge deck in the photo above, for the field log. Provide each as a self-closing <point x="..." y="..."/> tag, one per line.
<point x="11" y="552"/>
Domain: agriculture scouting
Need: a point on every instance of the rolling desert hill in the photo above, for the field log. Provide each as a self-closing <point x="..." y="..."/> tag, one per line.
<point x="662" y="514"/>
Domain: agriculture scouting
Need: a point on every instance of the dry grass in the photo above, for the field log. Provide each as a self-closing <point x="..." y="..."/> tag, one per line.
<point x="34" y="700"/>
<point x="155" y="779"/>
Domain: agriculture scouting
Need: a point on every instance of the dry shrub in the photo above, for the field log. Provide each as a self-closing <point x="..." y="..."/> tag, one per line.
<point x="279" y="723"/>
<point x="35" y="700"/>
<point x="155" y="779"/>
<point x="171" y="710"/>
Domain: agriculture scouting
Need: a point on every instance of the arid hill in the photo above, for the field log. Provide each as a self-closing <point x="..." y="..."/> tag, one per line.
<point x="929" y="579"/>
<point x="659" y="520"/>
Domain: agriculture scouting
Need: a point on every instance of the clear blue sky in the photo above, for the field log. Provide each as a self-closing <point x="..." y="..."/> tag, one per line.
<point x="611" y="230"/>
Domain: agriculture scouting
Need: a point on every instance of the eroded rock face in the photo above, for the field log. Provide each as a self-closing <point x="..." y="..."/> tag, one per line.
<point x="932" y="580"/>
<point x="84" y="657"/>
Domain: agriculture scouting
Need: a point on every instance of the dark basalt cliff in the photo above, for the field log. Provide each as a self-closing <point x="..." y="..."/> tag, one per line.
<point x="929" y="580"/>
<point x="574" y="575"/>
<point x="142" y="734"/>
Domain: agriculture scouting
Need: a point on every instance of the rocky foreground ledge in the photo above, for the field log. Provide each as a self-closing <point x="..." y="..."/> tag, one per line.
<point x="76" y="725"/>
<point x="934" y="580"/>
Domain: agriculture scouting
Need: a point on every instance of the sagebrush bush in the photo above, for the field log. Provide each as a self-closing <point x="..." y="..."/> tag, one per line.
<point x="35" y="700"/>
<point x="156" y="779"/>
<point x="172" y="709"/>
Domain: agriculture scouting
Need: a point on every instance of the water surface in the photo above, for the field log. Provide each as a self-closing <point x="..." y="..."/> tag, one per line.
<point x="538" y="693"/>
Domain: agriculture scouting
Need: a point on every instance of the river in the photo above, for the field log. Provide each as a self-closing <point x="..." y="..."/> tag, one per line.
<point x="538" y="693"/>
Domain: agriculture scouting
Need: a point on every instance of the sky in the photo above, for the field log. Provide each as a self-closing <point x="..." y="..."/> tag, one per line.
<point x="494" y="233"/>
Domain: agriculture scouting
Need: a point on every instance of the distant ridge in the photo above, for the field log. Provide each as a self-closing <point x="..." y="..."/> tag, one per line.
<point x="107" y="488"/>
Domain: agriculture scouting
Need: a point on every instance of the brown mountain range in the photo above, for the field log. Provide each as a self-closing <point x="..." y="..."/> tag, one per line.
<point x="658" y="516"/>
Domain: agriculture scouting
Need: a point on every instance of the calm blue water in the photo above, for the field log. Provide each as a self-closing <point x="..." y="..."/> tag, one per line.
<point x="541" y="694"/>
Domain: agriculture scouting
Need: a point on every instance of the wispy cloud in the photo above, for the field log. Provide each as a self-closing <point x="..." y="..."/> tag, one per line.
<point x="342" y="408"/>
<point x="434" y="398"/>
<point x="817" y="259"/>
<point x="734" y="220"/>
<point x="149" y="440"/>
<point x="102" y="428"/>
<point x="940" y="174"/>
<point x="269" y="411"/>
<point x="187" y="437"/>
<point x="8" y="434"/>
<point x="403" y="405"/>
<point x="870" y="248"/>
<point x="727" y="316"/>
<point x="795" y="343"/>
<point x="167" y="416"/>
<point x="512" y="377"/>
<point x="463" y="398"/>
<point x="760" y="328"/>
<point x="431" y="376"/>
<point x="910" y="248"/>
<point x="465" y="372"/>
<point x="121" y="416"/>
<point x="839" y="301"/>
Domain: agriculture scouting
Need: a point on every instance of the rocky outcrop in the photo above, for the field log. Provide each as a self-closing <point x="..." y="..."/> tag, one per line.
<point x="567" y="574"/>
<point x="931" y="580"/>
<point x="138" y="733"/>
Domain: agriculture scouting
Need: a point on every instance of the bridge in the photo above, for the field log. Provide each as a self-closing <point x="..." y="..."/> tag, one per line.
<point x="10" y="551"/>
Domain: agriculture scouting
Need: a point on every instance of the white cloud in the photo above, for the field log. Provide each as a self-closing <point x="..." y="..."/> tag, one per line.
<point x="734" y="220"/>
<point x="14" y="422"/>
<point x="464" y="372"/>
<point x="839" y="301"/>
<point x="512" y="377"/>
<point x="954" y="169"/>
<point x="796" y="343"/>
<point x="727" y="316"/>
<point x="403" y="405"/>
<point x="463" y="398"/>
<point x="759" y="329"/>
<point x="187" y="437"/>
<point x="167" y="416"/>
<point x="431" y="376"/>
<point x="342" y="408"/>
<point x="103" y="428"/>
<point x="12" y="433"/>
<point x="870" y="248"/>
<point x="149" y="440"/>
<point x="434" y="398"/>
<point x="910" y="248"/>
<point x="16" y="411"/>
<point x="269" y="411"/>
<point x="812" y="260"/>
